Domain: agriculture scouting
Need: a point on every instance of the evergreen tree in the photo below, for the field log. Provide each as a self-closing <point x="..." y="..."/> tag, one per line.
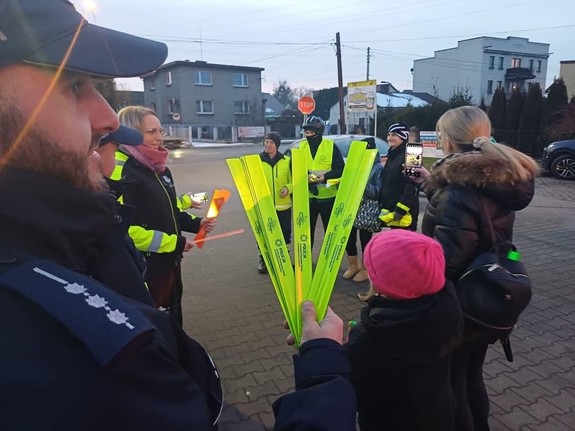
<point x="512" y="117"/>
<point x="482" y="105"/>
<point x="460" y="97"/>
<point x="529" y="124"/>
<point x="497" y="114"/>
<point x="553" y="110"/>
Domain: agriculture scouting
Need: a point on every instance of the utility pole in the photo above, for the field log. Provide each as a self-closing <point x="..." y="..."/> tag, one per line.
<point x="368" y="57"/>
<point x="342" y="129"/>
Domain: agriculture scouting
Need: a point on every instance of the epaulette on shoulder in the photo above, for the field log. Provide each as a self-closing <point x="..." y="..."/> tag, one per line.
<point x="96" y="315"/>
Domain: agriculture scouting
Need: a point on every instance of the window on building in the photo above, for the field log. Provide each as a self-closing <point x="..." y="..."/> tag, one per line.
<point x="490" y="87"/>
<point x="240" y="80"/>
<point x="204" y="107"/>
<point x="531" y="65"/>
<point x="492" y="62"/>
<point x="515" y="62"/>
<point x="500" y="84"/>
<point x="169" y="77"/>
<point x="501" y="59"/>
<point x="172" y="105"/>
<point x="538" y="65"/>
<point x="241" y="107"/>
<point x="152" y="84"/>
<point x="203" y="77"/>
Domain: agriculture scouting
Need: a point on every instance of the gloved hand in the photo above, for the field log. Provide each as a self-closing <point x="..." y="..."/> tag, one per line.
<point x="394" y="219"/>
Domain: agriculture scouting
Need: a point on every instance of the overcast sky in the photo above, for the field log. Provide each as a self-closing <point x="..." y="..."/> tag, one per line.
<point x="293" y="40"/>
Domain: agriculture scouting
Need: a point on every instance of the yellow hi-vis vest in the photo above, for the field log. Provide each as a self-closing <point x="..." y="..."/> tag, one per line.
<point x="320" y="165"/>
<point x="277" y="178"/>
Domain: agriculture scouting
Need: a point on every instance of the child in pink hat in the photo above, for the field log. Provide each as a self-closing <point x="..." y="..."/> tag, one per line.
<point x="400" y="350"/>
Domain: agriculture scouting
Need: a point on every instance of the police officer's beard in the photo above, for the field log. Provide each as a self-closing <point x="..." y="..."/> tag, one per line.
<point x="37" y="153"/>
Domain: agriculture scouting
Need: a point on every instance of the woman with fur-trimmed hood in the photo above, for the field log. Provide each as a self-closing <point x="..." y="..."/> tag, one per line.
<point x="474" y="169"/>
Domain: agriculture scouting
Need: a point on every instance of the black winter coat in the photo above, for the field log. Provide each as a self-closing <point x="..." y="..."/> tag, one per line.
<point x="154" y="198"/>
<point x="396" y="187"/>
<point x="400" y="359"/>
<point x="454" y="215"/>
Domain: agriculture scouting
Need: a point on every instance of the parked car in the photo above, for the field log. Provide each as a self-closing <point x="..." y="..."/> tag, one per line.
<point x="343" y="142"/>
<point x="559" y="159"/>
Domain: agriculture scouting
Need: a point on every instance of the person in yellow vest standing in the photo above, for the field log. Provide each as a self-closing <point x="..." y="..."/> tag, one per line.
<point x="325" y="162"/>
<point x="278" y="177"/>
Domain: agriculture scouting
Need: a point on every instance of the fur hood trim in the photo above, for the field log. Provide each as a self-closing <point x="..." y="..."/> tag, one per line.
<point x="471" y="169"/>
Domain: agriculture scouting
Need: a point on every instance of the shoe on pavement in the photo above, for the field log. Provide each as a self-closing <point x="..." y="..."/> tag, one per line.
<point x="262" y="267"/>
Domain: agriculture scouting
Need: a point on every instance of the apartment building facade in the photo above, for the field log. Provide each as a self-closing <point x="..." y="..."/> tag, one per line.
<point x="206" y="101"/>
<point x="480" y="66"/>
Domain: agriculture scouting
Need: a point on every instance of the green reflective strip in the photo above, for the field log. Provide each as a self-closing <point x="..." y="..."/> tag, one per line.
<point x="301" y="227"/>
<point x="244" y="183"/>
<point x="354" y="178"/>
<point x="280" y="261"/>
<point x="402" y="206"/>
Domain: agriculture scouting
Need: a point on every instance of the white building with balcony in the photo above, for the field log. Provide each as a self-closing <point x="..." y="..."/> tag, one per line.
<point x="480" y="65"/>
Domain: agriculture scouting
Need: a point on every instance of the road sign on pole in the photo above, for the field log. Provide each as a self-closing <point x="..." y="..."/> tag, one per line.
<point x="306" y="105"/>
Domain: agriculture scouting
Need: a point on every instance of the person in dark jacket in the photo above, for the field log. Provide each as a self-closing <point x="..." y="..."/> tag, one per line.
<point x="325" y="162"/>
<point x="474" y="170"/>
<point x="399" y="195"/>
<point x="76" y="355"/>
<point x="121" y="266"/>
<point x="400" y="350"/>
<point x="372" y="191"/>
<point x="158" y="221"/>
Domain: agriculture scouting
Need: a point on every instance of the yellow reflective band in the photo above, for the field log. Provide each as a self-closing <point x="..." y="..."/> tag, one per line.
<point x="402" y="206"/>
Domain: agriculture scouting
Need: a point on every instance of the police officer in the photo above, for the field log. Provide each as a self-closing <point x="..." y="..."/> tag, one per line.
<point x="325" y="162"/>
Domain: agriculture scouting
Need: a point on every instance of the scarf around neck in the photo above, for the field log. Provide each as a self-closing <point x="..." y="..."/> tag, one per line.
<point x="155" y="160"/>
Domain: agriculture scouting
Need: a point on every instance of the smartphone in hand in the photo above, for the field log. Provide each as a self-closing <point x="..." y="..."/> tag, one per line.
<point x="413" y="159"/>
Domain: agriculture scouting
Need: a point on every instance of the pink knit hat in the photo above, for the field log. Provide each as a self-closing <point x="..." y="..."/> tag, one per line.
<point x="404" y="265"/>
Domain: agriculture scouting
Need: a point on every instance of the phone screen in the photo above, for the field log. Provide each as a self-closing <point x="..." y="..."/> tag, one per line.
<point x="413" y="159"/>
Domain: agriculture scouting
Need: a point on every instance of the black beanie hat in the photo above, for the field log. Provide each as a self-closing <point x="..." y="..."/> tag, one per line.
<point x="274" y="136"/>
<point x="401" y="130"/>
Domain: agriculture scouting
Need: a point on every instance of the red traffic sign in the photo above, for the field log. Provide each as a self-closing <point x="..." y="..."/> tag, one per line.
<point x="306" y="105"/>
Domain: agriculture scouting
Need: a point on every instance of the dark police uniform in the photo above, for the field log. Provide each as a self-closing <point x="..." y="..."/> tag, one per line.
<point x="77" y="356"/>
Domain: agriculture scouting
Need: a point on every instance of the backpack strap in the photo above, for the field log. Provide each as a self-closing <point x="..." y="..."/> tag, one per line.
<point x="94" y="314"/>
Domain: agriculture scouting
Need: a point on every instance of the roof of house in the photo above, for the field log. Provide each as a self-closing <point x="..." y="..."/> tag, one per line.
<point x="273" y="105"/>
<point x="399" y="100"/>
<point x="205" y="64"/>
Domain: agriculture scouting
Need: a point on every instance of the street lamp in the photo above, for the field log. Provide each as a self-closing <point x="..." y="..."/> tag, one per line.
<point x="91" y="7"/>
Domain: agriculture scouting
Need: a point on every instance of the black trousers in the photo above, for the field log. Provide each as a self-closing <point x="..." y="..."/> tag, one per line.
<point x="284" y="218"/>
<point x="472" y="402"/>
<point x="321" y="208"/>
<point x="364" y="237"/>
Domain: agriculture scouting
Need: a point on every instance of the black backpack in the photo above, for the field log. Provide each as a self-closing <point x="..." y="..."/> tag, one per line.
<point x="494" y="289"/>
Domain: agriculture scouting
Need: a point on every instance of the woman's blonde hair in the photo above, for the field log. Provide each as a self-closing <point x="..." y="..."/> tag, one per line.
<point x="469" y="127"/>
<point x="132" y="116"/>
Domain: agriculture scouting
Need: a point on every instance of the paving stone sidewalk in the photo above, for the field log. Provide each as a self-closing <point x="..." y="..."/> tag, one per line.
<point x="233" y="311"/>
